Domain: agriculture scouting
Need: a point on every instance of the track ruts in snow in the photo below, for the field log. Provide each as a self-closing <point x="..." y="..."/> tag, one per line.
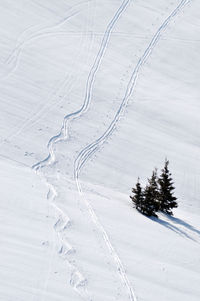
<point x="89" y="150"/>
<point x="33" y="33"/>
<point x="88" y="93"/>
<point x="29" y="35"/>
<point x="64" y="84"/>
<point x="77" y="280"/>
<point x="92" y="147"/>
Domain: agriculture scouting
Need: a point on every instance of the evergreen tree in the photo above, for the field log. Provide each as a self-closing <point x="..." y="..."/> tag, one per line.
<point x="137" y="197"/>
<point x="153" y="182"/>
<point x="150" y="203"/>
<point x="166" y="199"/>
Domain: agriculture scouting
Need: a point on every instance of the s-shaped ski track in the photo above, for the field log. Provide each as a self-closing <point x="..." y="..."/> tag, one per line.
<point x="63" y="134"/>
<point x="89" y="150"/>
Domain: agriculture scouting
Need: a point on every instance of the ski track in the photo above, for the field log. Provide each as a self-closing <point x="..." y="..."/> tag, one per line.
<point x="89" y="85"/>
<point x="66" y="84"/>
<point x="14" y="57"/>
<point x="77" y="281"/>
<point x="21" y="41"/>
<point x="63" y="85"/>
<point x="89" y="150"/>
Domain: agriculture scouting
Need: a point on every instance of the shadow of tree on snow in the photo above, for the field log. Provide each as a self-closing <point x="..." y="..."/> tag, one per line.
<point x="175" y="223"/>
<point x="181" y="222"/>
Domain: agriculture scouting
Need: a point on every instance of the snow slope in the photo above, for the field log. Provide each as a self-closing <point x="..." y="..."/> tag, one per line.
<point x="94" y="94"/>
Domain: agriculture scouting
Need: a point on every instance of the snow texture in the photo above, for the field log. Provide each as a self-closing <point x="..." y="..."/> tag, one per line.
<point x="94" y="94"/>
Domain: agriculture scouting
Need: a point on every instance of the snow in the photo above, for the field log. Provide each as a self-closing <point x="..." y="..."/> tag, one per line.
<point x="94" y="94"/>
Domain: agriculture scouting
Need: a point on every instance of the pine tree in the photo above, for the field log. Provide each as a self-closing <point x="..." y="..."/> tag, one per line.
<point x="166" y="199"/>
<point x="137" y="197"/>
<point x="150" y="203"/>
<point x="153" y="182"/>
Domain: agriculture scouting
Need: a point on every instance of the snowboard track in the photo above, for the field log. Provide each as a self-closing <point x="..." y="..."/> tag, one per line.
<point x="78" y="281"/>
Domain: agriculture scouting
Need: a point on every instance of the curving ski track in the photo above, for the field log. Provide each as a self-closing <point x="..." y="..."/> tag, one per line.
<point x="89" y="150"/>
<point x="62" y="85"/>
<point x="77" y="279"/>
<point x="41" y="32"/>
<point x="88" y="93"/>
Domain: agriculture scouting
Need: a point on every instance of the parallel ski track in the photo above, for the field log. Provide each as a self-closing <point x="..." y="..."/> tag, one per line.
<point x="80" y="283"/>
<point x="89" y="150"/>
<point x="88" y="93"/>
<point x="41" y="33"/>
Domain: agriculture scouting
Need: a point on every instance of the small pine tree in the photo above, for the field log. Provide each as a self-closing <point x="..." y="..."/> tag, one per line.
<point x="150" y="203"/>
<point x="166" y="199"/>
<point x="137" y="197"/>
<point x="153" y="182"/>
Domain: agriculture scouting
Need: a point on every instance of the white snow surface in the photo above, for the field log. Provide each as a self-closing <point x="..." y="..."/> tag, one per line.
<point x="94" y="94"/>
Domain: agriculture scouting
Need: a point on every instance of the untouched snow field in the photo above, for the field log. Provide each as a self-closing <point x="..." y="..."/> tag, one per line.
<point x="94" y="94"/>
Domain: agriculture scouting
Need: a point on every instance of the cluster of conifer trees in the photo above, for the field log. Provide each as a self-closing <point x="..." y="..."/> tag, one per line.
<point x="157" y="195"/>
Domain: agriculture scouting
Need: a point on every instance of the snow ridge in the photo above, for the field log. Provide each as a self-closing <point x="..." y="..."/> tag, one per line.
<point x="77" y="281"/>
